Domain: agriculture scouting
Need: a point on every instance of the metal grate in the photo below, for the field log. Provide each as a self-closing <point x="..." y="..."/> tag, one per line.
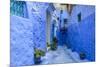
<point x="18" y="8"/>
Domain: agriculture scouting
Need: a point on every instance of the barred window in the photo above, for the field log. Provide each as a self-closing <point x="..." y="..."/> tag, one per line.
<point x="18" y="8"/>
<point x="79" y="17"/>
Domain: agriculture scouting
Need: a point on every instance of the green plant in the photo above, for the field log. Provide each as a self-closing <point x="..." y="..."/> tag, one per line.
<point x="54" y="44"/>
<point x="39" y="53"/>
<point x="55" y="40"/>
<point x="48" y="45"/>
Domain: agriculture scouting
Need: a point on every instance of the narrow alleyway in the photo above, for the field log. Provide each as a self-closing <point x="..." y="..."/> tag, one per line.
<point x="67" y="29"/>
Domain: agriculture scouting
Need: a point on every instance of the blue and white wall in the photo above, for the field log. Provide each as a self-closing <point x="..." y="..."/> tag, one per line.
<point x="38" y="18"/>
<point x="62" y="37"/>
<point x="28" y="33"/>
<point x="21" y="41"/>
<point x="81" y="35"/>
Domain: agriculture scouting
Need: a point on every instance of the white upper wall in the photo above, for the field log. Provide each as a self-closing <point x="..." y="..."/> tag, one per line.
<point x="88" y="2"/>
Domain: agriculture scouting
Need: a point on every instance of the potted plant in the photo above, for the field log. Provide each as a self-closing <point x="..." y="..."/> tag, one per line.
<point x="54" y="44"/>
<point x="37" y="56"/>
<point x="82" y="56"/>
<point x="48" y="46"/>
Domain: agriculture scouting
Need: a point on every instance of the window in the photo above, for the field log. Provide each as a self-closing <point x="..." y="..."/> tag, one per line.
<point x="65" y="20"/>
<point x="18" y="8"/>
<point x="79" y="17"/>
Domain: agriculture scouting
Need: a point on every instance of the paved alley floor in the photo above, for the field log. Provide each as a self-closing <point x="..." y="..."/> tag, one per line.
<point x="61" y="55"/>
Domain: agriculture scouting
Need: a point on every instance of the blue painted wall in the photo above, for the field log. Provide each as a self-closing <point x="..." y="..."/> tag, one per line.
<point x="27" y="33"/>
<point x="88" y="32"/>
<point x="38" y="19"/>
<point x="81" y="35"/>
<point x="21" y="41"/>
<point x="60" y="35"/>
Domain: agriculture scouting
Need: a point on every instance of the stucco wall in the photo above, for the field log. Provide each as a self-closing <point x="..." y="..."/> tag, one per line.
<point x="81" y="35"/>
<point x="27" y="33"/>
<point x="21" y="41"/>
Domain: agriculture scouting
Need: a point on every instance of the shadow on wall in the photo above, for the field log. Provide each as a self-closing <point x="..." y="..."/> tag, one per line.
<point x="81" y="37"/>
